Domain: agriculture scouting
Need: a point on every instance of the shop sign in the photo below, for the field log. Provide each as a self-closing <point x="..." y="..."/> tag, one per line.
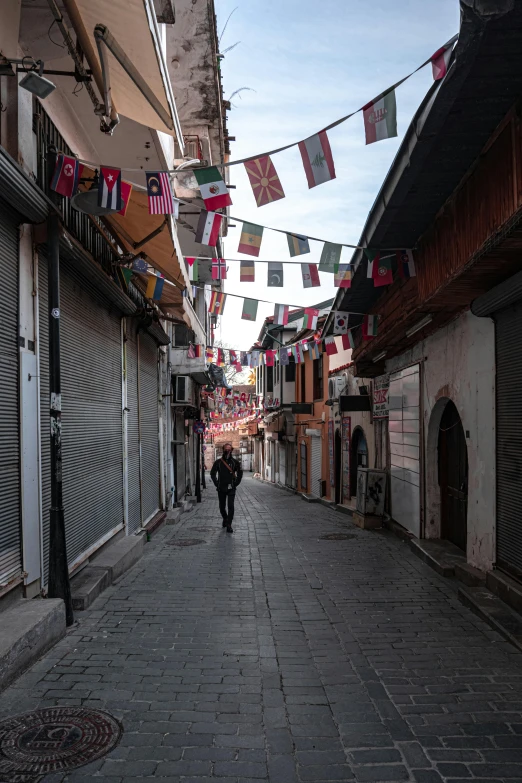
<point x="380" y="397"/>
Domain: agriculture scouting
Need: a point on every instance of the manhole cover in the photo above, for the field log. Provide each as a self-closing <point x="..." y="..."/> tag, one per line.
<point x="337" y="536"/>
<point x="204" y="529"/>
<point x="52" y="740"/>
<point x="186" y="542"/>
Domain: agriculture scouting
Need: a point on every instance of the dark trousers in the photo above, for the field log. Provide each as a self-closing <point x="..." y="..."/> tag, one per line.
<point x="223" y="505"/>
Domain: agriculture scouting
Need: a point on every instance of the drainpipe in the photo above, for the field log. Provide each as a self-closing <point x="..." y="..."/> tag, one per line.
<point x="139" y="424"/>
<point x="59" y="585"/>
<point x="198" y="469"/>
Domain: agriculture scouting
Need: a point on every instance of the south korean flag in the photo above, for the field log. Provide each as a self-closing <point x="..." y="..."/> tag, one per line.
<point x="341" y="322"/>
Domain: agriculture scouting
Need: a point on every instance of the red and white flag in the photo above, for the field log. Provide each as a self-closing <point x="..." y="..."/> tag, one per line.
<point x="209" y="226"/>
<point x="310" y="275"/>
<point x="317" y="159"/>
<point x="441" y="59"/>
<point x="109" y="188"/>
<point x="219" y="269"/>
<point x="331" y="346"/>
<point x="159" y="192"/>
<point x="66" y="176"/>
<point x="281" y="314"/>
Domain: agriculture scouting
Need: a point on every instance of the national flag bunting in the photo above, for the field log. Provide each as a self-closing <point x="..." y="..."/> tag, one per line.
<point x="159" y="193"/>
<point x="209" y="354"/>
<point x="198" y="350"/>
<point x="379" y="267"/>
<point x="139" y="265"/>
<point x="331" y="346"/>
<point x="297" y="245"/>
<point x="190" y="260"/>
<point x="249" y="312"/>
<point x="191" y="353"/>
<point x="66" y="176"/>
<point x="317" y="159"/>
<point x="269" y="358"/>
<point x="347" y="341"/>
<point x="155" y="287"/>
<point x="214" y="192"/>
<point x="340" y="322"/>
<point x="281" y="314"/>
<point x="208" y="228"/>
<point x="109" y="189"/>
<point x="247" y="273"/>
<point x="343" y="276"/>
<point x="298" y="353"/>
<point x="250" y="239"/>
<point x="330" y="257"/>
<point x="315" y="353"/>
<point x="194" y="270"/>
<point x="221" y="363"/>
<point x="405" y="264"/>
<point x="311" y="315"/>
<point x="126" y="190"/>
<point x="275" y="275"/>
<point x="219" y="269"/>
<point x="126" y="274"/>
<point x="380" y="118"/>
<point x="441" y="59"/>
<point x="217" y="303"/>
<point x="264" y="180"/>
<point x="310" y="276"/>
<point x="283" y="357"/>
<point x="369" y="327"/>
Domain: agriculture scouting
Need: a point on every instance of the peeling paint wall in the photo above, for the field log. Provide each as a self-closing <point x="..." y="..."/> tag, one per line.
<point x="458" y="364"/>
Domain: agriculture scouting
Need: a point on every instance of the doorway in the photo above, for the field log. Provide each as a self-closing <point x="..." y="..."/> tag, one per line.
<point x="337" y="466"/>
<point x="453" y="478"/>
<point x="359" y="457"/>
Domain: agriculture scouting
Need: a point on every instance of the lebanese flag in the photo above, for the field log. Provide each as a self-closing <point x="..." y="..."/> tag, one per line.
<point x="379" y="269"/>
<point x="209" y="225"/>
<point x="317" y="159"/>
<point x="310" y="276"/>
<point x="109" y="188"/>
<point x="380" y="118"/>
<point x="441" y="59"/>
<point x="66" y="176"/>
<point x="331" y="346"/>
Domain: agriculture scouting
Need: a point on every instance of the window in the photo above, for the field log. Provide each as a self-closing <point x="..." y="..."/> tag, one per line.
<point x="183" y="336"/>
<point x="303" y="382"/>
<point x="318" y="378"/>
<point x="269" y="380"/>
<point x="290" y="371"/>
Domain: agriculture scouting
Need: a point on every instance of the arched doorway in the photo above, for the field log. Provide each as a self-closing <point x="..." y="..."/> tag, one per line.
<point x="359" y="457"/>
<point x="453" y="478"/>
<point x="337" y="465"/>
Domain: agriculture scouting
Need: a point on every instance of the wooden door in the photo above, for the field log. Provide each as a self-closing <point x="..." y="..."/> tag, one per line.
<point x="453" y="478"/>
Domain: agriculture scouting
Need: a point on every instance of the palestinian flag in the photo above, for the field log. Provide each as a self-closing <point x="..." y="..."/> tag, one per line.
<point x="379" y="268"/>
<point x="249" y="309"/>
<point x="281" y="314"/>
<point x="214" y="192"/>
<point x="380" y="118"/>
<point x="217" y="303"/>
<point x="209" y="225"/>
<point x="405" y="264"/>
<point x="247" y="272"/>
<point x="310" y="275"/>
<point x="331" y="346"/>
<point x="347" y="341"/>
<point x="330" y="257"/>
<point x="194" y="276"/>
<point x="369" y="327"/>
<point x="264" y="180"/>
<point x="297" y="245"/>
<point x="343" y="276"/>
<point x="250" y="239"/>
<point x="317" y="159"/>
<point x="311" y="315"/>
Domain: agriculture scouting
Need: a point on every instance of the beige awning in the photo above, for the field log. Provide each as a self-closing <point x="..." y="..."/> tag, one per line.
<point x="132" y="24"/>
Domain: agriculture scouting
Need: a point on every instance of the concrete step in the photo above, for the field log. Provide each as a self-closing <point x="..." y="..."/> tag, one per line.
<point x="88" y="585"/>
<point x="173" y="516"/>
<point x="27" y="630"/>
<point x="440" y="555"/>
<point x="470" y="576"/>
<point x="506" y="588"/>
<point x="495" y="612"/>
<point x="120" y="556"/>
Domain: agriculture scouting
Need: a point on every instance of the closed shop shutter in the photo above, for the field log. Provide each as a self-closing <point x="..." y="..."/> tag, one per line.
<point x="315" y="488"/>
<point x="10" y="535"/>
<point x="149" y="424"/>
<point x="404" y="430"/>
<point x="91" y="415"/>
<point x="282" y="463"/>
<point x="133" y="443"/>
<point x="509" y="438"/>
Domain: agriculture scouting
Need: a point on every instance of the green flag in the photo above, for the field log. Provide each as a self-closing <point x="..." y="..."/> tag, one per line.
<point x="330" y="258"/>
<point x="249" y="309"/>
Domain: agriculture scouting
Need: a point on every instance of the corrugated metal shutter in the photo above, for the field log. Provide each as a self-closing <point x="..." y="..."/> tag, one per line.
<point x="315" y="487"/>
<point x="91" y="414"/>
<point x="149" y="425"/>
<point x="509" y="438"/>
<point x="133" y="443"/>
<point x="282" y="463"/>
<point x="404" y="431"/>
<point x="10" y="535"/>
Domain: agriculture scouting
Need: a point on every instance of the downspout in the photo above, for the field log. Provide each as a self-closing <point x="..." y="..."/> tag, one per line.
<point x="125" y="414"/>
<point x="162" y="401"/>
<point x="138" y="378"/>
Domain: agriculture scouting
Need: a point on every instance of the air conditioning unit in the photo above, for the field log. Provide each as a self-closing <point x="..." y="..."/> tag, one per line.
<point x="182" y="389"/>
<point x="336" y="385"/>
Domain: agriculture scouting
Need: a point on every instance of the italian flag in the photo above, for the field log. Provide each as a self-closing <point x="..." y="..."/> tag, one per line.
<point x="369" y="327"/>
<point x="214" y="192"/>
<point x="317" y="159"/>
<point x="209" y="225"/>
<point x="380" y="118"/>
<point x="379" y="269"/>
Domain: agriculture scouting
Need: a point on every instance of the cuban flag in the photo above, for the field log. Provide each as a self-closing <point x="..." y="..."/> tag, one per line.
<point x="405" y="264"/>
<point x="109" y="189"/>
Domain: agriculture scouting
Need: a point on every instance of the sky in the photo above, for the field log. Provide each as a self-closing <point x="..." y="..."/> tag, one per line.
<point x="307" y="63"/>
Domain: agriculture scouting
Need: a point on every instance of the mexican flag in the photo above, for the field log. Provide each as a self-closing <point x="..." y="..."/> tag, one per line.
<point x="209" y="225"/>
<point x="369" y="327"/>
<point x="379" y="268"/>
<point x="317" y="159"/>
<point x="249" y="309"/>
<point x="214" y="192"/>
<point x="380" y="118"/>
<point x="311" y="315"/>
<point x="250" y="239"/>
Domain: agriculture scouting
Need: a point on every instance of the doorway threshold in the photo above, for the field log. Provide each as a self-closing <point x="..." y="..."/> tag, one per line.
<point x="439" y="554"/>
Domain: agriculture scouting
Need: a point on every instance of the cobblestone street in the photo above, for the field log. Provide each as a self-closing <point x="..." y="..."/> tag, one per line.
<point x="276" y="654"/>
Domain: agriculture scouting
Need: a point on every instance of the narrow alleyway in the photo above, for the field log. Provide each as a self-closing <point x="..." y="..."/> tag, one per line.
<point x="274" y="653"/>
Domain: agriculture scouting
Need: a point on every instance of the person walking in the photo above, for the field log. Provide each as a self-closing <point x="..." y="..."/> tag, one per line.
<point x="226" y="474"/>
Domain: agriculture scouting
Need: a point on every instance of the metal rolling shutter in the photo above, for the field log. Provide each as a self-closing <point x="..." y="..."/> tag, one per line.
<point x="282" y="463"/>
<point x="315" y="487"/>
<point x="10" y="535"/>
<point x="509" y="438"/>
<point x="149" y="425"/>
<point x="91" y="415"/>
<point x="133" y="443"/>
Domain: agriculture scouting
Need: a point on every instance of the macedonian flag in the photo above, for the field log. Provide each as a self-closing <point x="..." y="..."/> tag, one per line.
<point x="264" y="180"/>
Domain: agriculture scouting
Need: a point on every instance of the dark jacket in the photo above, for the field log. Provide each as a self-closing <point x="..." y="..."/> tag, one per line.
<point x="226" y="474"/>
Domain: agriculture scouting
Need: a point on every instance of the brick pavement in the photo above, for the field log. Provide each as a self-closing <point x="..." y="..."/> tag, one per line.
<point x="273" y="654"/>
